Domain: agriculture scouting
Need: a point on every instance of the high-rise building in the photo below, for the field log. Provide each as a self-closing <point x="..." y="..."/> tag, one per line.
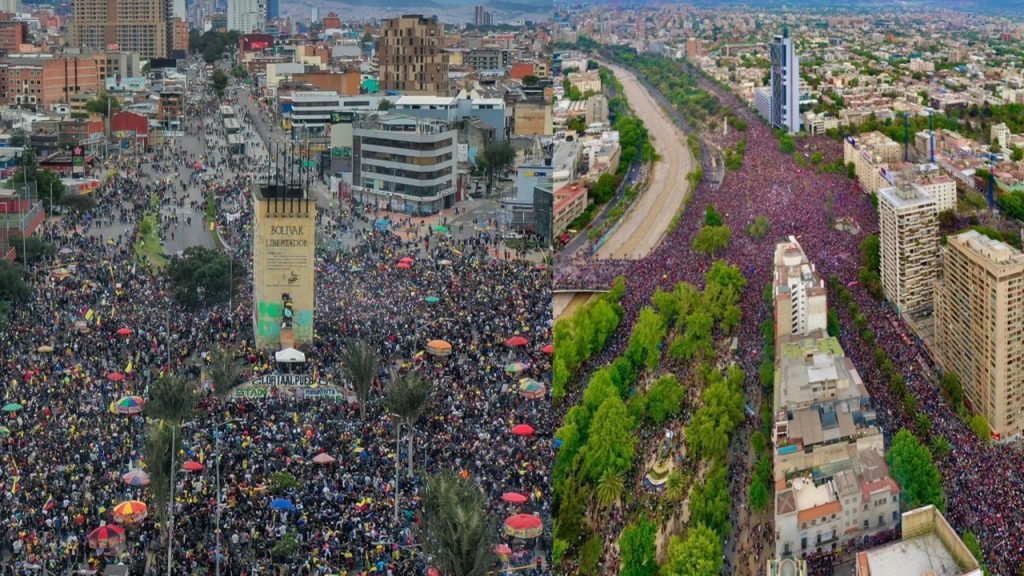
<point x="140" y="26"/>
<point x="411" y="56"/>
<point x="694" y="48"/>
<point x="909" y="234"/>
<point x="482" y="16"/>
<point x="785" y="78"/>
<point x="978" y="317"/>
<point x="800" y="298"/>
<point x="406" y="162"/>
<point x="273" y="9"/>
<point x="247" y="16"/>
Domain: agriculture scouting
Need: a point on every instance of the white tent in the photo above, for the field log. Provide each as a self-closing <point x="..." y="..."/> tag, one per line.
<point x="290" y="355"/>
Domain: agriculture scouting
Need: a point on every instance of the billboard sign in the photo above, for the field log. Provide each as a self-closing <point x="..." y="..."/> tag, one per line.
<point x="126" y="83"/>
<point x="78" y="161"/>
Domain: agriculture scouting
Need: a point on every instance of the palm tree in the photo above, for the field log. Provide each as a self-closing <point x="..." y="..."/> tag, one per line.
<point x="223" y="370"/>
<point x="675" y="486"/>
<point x="455" y="528"/>
<point x="172" y="398"/>
<point x="159" y="449"/>
<point x="359" y="362"/>
<point x="407" y="398"/>
<point x="609" y="489"/>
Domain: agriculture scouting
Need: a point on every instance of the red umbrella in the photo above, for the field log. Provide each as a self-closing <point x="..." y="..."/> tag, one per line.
<point x="407" y="260"/>
<point x="516" y="341"/>
<point x="404" y="265"/>
<point x="191" y="466"/>
<point x="549" y="349"/>
<point x="514" y="497"/>
<point x="523" y="430"/>
<point x="523" y="526"/>
<point x="115" y="376"/>
<point x="124" y="331"/>
<point x="106" y="537"/>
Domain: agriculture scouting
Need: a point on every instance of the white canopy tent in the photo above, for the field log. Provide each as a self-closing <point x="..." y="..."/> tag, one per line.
<point x="290" y="356"/>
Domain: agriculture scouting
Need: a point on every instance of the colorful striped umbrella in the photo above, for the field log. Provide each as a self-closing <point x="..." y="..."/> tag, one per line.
<point x="530" y="388"/>
<point x="130" y="512"/>
<point x="524" y="526"/>
<point x="129" y="405"/>
<point x="136" y="478"/>
<point x="12" y="407"/>
<point x="106" y="537"/>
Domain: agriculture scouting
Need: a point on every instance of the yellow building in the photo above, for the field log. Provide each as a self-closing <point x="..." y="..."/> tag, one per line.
<point x="870" y="153"/>
<point x="909" y="237"/>
<point x="979" y="310"/>
<point x="411" y="56"/>
<point x="284" y="242"/>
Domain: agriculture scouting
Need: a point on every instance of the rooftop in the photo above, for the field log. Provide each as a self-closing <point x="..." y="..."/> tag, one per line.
<point x="996" y="251"/>
<point x="905" y="197"/>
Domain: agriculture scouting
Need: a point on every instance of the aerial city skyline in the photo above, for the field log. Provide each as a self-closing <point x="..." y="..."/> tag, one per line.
<point x="466" y="288"/>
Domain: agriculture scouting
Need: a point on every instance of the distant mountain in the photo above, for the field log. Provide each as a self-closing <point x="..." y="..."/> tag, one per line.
<point x="987" y="6"/>
<point x="399" y="4"/>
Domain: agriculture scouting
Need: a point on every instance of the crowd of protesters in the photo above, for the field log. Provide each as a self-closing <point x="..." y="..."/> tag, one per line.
<point x="982" y="482"/>
<point x="114" y="327"/>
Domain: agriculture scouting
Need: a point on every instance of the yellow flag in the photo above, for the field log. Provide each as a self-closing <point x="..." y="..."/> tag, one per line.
<point x="89" y="314"/>
<point x="128" y="368"/>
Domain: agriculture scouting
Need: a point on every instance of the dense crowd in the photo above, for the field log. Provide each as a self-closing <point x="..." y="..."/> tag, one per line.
<point x="66" y="451"/>
<point x="983" y="483"/>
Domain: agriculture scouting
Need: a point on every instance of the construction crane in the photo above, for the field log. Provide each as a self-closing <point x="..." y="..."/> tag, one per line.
<point x="906" y="135"/>
<point x="931" y="135"/>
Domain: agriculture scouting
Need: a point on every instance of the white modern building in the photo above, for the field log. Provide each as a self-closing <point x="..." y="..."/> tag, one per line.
<point x="800" y="297"/>
<point x="785" y="79"/>
<point x="246" y="16"/>
<point x="407" y="164"/>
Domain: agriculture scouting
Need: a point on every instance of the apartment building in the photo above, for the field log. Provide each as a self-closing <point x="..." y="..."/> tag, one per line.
<point x="800" y="296"/>
<point x="247" y="16"/>
<point x="411" y="57"/>
<point x="140" y="26"/>
<point x="570" y="202"/>
<point x="909" y="234"/>
<point x="406" y="163"/>
<point x="490" y="58"/>
<point x="871" y="153"/>
<point x="927" y="541"/>
<point x="42" y="82"/>
<point x="979" y="314"/>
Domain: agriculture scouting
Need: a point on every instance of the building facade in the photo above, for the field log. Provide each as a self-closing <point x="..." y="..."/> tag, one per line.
<point x="785" y="79"/>
<point x="247" y="16"/>
<point x="407" y="164"/>
<point x="140" y="26"/>
<point x="411" y="57"/>
<point x="800" y="298"/>
<point x="978" y="316"/>
<point x="909" y="235"/>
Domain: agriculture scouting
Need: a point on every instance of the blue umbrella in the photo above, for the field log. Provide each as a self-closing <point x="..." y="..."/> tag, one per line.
<point x="281" y="504"/>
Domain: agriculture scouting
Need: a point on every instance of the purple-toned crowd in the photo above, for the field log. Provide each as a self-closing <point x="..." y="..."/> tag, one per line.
<point x="984" y="484"/>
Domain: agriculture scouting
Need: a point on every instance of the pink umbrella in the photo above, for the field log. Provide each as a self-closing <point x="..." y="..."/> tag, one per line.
<point x="502" y="550"/>
<point x="514" y="498"/>
<point x="404" y="265"/>
<point x="549" y="349"/>
<point x="124" y="331"/>
<point x="523" y="430"/>
<point x="516" y="341"/>
<point x="115" y="376"/>
<point x="324" y="458"/>
<point x="407" y="260"/>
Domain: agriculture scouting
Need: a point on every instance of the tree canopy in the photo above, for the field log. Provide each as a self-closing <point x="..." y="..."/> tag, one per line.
<point x="911" y="465"/>
<point x="201" y="276"/>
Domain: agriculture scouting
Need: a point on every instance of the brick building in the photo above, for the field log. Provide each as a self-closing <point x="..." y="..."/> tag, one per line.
<point x="43" y="82"/>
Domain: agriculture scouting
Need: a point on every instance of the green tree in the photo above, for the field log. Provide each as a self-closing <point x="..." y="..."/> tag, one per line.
<point x="1016" y="153"/>
<point x="711" y="501"/>
<point x="637" y="549"/>
<point x="407" y="397"/>
<point x="871" y="252"/>
<point x="665" y="399"/>
<point x="13" y="289"/>
<point x="530" y="80"/>
<point x="971" y="542"/>
<point x="359" y="363"/>
<point x="644" y="348"/>
<point x="759" y="497"/>
<point x="455" y="528"/>
<point x="952" y="390"/>
<point x="911" y="465"/>
<point x="604" y="189"/>
<point x="979" y="425"/>
<point x="172" y="398"/>
<point x="610" y="444"/>
<point x="494" y="158"/>
<point x="163" y="440"/>
<point x="224" y="370"/>
<point x="759" y="228"/>
<point x="712" y="239"/>
<point x="200" y="276"/>
<point x="696" y="341"/>
<point x="712" y="217"/>
<point x="711" y="426"/>
<point x="34" y="247"/>
<point x="219" y="80"/>
<point x="609" y="489"/>
<point x="590" y="556"/>
<point x="103" y="104"/>
<point x="698" y="554"/>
